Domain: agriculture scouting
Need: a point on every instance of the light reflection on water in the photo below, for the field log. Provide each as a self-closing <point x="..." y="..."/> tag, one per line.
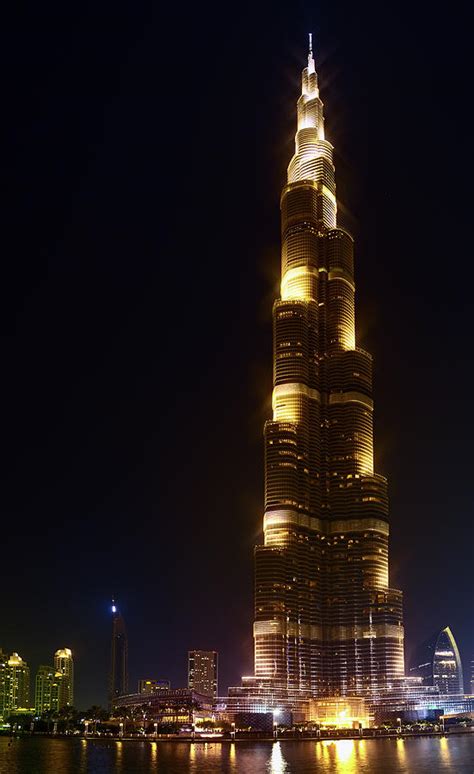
<point x="401" y="750"/>
<point x="277" y="763"/>
<point x="444" y="749"/>
<point x="425" y="755"/>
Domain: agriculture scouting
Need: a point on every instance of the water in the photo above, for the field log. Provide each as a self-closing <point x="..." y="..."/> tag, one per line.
<point x="370" y="756"/>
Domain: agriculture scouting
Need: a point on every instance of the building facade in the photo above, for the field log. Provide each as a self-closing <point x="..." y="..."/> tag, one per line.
<point x="179" y="705"/>
<point x="153" y="686"/>
<point x="14" y="684"/>
<point x="64" y="665"/>
<point x="51" y="690"/>
<point x="202" y="672"/>
<point x="118" y="676"/>
<point x="438" y="663"/>
<point x="327" y="621"/>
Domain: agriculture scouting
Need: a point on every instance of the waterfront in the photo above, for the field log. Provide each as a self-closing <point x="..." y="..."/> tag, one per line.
<point x="420" y="755"/>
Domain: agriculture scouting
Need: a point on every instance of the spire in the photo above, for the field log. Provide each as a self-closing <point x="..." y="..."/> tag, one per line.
<point x="311" y="66"/>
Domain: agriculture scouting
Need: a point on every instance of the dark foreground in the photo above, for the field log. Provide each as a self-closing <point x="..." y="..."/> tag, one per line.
<point x="418" y="755"/>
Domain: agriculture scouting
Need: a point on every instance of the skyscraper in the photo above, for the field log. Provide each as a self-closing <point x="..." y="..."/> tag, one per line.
<point x="326" y="619"/>
<point x="64" y="664"/>
<point x="438" y="662"/>
<point x="14" y="684"/>
<point x="118" y="677"/>
<point x="202" y="672"/>
<point x="51" y="690"/>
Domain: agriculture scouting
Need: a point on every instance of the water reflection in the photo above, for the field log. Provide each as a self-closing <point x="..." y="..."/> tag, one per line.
<point x="119" y="753"/>
<point x="341" y="752"/>
<point x="154" y="752"/>
<point x="401" y="751"/>
<point x="277" y="763"/>
<point x="444" y="749"/>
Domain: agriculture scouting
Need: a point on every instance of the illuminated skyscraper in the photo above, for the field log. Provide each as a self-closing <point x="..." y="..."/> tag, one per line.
<point x="51" y="690"/>
<point x="202" y="672"/>
<point x="438" y="662"/>
<point x="118" y="678"/>
<point x="64" y="664"/>
<point x="326" y="620"/>
<point x="14" y="684"/>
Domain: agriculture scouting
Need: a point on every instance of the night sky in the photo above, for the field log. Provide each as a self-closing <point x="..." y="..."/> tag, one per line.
<point x="147" y="145"/>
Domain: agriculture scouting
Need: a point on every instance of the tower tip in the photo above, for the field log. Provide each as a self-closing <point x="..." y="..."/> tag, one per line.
<point x="311" y="66"/>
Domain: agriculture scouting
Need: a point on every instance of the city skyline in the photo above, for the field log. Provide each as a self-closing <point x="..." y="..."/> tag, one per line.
<point x="95" y="329"/>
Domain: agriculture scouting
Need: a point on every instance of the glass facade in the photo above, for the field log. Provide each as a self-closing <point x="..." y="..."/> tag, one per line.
<point x="438" y="663"/>
<point x="326" y="620"/>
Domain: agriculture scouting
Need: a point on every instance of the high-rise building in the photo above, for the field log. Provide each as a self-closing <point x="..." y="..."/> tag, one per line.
<point x="14" y="684"/>
<point x="51" y="690"/>
<point x="153" y="686"/>
<point x="471" y="685"/>
<point x="118" y="677"/>
<point x="326" y="619"/>
<point x="64" y="664"/>
<point x="202" y="672"/>
<point x="3" y="670"/>
<point x="438" y="662"/>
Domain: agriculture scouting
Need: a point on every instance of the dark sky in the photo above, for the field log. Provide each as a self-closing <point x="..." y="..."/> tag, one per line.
<point x="147" y="145"/>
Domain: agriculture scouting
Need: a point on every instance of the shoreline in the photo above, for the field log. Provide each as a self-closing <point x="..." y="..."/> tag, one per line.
<point x="241" y="740"/>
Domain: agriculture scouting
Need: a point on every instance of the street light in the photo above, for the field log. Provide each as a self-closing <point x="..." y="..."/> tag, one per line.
<point x="194" y="731"/>
<point x="232" y="733"/>
<point x="156" y="728"/>
<point x="275" y="729"/>
<point x="121" y="729"/>
<point x="399" y="728"/>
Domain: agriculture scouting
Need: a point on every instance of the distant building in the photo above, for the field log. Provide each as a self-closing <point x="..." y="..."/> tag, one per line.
<point x="3" y="669"/>
<point x="153" y="686"/>
<point x="438" y="663"/>
<point x="202" y="672"/>
<point x="472" y="677"/>
<point x="64" y="664"/>
<point x="179" y="705"/>
<point x="14" y="684"/>
<point x="51" y="690"/>
<point x="118" y="676"/>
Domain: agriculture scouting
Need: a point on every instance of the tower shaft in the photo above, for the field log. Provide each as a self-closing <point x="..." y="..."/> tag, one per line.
<point x="326" y="620"/>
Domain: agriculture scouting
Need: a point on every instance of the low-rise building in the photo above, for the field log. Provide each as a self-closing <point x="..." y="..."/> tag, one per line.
<point x="153" y="686"/>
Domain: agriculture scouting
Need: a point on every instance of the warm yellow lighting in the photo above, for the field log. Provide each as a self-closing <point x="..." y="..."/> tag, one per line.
<point x="401" y="752"/>
<point x="287" y="401"/>
<point x="344" y="750"/>
<point x="299" y="282"/>
<point x="445" y="751"/>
